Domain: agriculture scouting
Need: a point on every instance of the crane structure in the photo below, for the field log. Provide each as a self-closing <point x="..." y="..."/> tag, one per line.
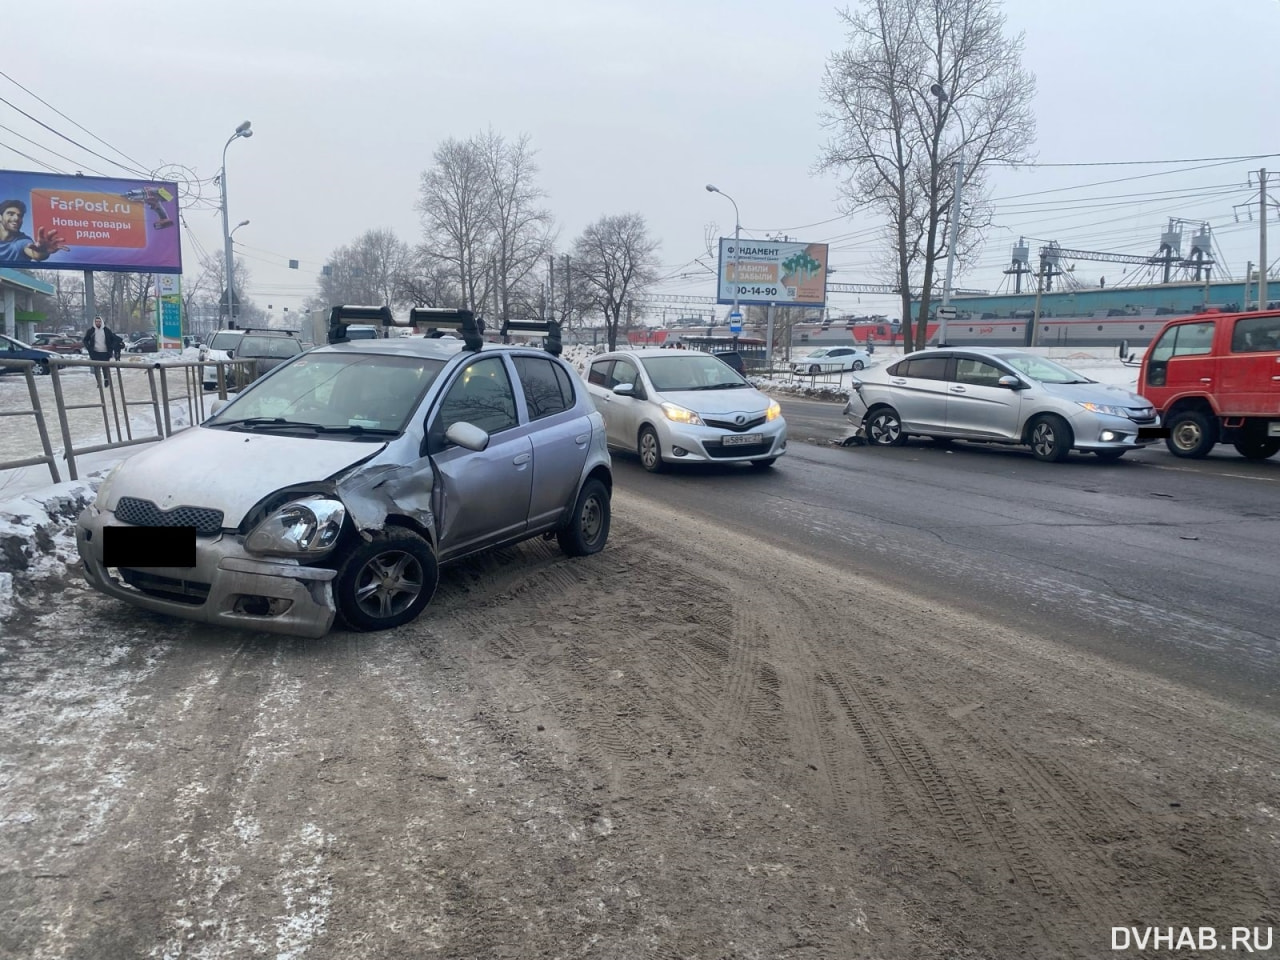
<point x="1197" y="264"/>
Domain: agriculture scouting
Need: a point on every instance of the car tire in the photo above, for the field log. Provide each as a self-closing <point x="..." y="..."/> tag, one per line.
<point x="815" y="369"/>
<point x="1050" y="438"/>
<point x="1192" y="434"/>
<point x="858" y="365"/>
<point x="41" y="368"/>
<point x="1109" y="456"/>
<point x="650" y="450"/>
<point x="1255" y="448"/>
<point x="588" y="526"/>
<point x="764" y="464"/>
<point x="884" y="428"/>
<point x="406" y="565"/>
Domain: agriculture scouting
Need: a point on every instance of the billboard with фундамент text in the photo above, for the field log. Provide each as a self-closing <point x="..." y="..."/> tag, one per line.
<point x="780" y="272"/>
<point x="52" y="221"/>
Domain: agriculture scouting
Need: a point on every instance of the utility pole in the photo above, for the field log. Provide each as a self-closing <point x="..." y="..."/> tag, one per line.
<point x="551" y="287"/>
<point x="951" y="254"/>
<point x="1262" y="240"/>
<point x="1035" y="314"/>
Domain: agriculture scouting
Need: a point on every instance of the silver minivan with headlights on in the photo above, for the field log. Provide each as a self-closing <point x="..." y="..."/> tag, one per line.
<point x="684" y="406"/>
<point x="999" y="396"/>
<point x="337" y="484"/>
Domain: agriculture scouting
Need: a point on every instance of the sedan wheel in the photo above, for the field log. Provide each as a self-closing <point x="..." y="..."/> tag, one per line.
<point x="857" y="365"/>
<point x="1051" y="438"/>
<point x="387" y="582"/>
<point x="884" y="428"/>
<point x="588" y="528"/>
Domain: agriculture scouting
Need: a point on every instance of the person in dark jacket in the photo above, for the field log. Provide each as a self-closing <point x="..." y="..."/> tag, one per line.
<point x="101" y="342"/>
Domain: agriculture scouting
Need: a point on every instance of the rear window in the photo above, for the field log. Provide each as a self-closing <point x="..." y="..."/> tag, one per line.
<point x="272" y="347"/>
<point x="225" y="340"/>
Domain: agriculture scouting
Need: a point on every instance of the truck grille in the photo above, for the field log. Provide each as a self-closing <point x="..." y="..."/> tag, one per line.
<point x="144" y="513"/>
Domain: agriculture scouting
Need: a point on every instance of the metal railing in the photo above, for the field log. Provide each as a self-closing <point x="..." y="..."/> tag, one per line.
<point x="167" y="384"/>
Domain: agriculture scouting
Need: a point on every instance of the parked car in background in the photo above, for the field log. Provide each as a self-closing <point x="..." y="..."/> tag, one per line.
<point x="1216" y="379"/>
<point x="832" y="360"/>
<point x="143" y="343"/>
<point x="339" y="484"/>
<point x="13" y="349"/>
<point x="267" y="349"/>
<point x="999" y="396"/>
<point x="218" y="347"/>
<point x="684" y="406"/>
<point x="58" y="343"/>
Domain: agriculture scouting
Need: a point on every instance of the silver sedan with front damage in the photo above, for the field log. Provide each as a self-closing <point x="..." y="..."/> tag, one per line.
<point x="999" y="396"/>
<point x="335" y="486"/>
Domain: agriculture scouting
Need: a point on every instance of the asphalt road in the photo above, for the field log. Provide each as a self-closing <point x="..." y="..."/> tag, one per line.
<point x="1162" y="563"/>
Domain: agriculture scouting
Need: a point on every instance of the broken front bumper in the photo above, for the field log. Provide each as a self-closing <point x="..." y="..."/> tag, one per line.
<point x="226" y="586"/>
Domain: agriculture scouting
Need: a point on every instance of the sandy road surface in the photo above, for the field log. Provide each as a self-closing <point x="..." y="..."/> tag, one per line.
<point x="692" y="745"/>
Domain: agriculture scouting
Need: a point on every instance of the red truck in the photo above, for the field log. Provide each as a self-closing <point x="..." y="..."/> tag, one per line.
<point x="1215" y="378"/>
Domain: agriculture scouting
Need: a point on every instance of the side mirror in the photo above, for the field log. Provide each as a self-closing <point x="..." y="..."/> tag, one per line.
<point x="467" y="435"/>
<point x="625" y="389"/>
<point x="218" y="406"/>
<point x="1010" y="382"/>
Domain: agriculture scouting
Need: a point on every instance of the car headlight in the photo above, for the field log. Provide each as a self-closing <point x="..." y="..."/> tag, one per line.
<point x="1105" y="408"/>
<point x="305" y="527"/>
<point x="681" y="414"/>
<point x="774" y="411"/>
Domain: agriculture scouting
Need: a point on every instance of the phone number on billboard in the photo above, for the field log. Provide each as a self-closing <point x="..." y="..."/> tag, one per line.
<point x="758" y="291"/>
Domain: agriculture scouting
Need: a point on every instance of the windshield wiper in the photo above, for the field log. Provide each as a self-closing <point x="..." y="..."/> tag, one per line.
<point x="356" y="429"/>
<point x="254" y="423"/>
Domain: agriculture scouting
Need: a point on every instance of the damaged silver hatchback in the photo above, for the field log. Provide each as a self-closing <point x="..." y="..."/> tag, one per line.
<point x="337" y="485"/>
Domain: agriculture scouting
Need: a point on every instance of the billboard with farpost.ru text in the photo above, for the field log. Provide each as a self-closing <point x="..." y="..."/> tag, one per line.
<point x="52" y="221"/>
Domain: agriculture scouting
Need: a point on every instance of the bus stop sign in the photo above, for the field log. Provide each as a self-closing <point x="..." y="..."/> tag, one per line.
<point x="735" y="322"/>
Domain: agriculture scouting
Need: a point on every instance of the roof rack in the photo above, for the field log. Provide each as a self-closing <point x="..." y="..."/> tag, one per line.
<point x="436" y="319"/>
<point x="551" y="328"/>
<point x="292" y="333"/>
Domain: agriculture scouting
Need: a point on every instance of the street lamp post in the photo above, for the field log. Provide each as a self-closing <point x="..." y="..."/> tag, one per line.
<point x="737" y="234"/>
<point x="229" y="264"/>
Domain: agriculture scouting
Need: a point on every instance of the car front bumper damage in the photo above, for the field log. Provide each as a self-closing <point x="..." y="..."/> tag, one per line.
<point x="226" y="587"/>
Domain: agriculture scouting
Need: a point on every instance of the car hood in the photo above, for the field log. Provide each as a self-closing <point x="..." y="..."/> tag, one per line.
<point x="746" y="400"/>
<point x="229" y="470"/>
<point x="1095" y="393"/>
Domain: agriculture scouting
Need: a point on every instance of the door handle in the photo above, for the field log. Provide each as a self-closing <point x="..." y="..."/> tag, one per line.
<point x="957" y="390"/>
<point x="582" y="438"/>
<point x="1275" y="378"/>
<point x="1206" y="379"/>
<point x="521" y="460"/>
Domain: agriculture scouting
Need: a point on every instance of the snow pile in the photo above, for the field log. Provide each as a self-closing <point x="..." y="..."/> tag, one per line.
<point x="37" y="535"/>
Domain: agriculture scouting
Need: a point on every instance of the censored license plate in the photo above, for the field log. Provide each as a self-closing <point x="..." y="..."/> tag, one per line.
<point x="743" y="439"/>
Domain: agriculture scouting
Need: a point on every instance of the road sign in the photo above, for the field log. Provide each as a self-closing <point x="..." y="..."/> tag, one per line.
<point x="735" y="322"/>
<point x="946" y="313"/>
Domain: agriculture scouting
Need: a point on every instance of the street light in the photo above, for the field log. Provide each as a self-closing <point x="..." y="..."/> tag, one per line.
<point x="737" y="232"/>
<point x="242" y="223"/>
<point x="241" y="131"/>
<point x="940" y="92"/>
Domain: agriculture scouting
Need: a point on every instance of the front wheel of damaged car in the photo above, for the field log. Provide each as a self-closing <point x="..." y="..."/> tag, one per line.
<point x="588" y="527"/>
<point x="386" y="582"/>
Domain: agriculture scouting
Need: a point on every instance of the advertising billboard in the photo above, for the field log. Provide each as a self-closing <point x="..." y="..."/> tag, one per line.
<point x="51" y="221"/>
<point x="782" y="272"/>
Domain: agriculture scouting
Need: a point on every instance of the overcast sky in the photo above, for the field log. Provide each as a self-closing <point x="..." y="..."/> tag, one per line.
<point x="632" y="105"/>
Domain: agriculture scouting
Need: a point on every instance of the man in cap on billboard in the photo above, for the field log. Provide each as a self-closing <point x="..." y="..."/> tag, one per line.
<point x="18" y="247"/>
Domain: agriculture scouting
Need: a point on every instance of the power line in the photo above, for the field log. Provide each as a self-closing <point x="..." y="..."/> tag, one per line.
<point x="60" y="156"/>
<point x="58" y="133"/>
<point x="28" y="156"/>
<point x="68" y="119"/>
<point x="1131" y="163"/>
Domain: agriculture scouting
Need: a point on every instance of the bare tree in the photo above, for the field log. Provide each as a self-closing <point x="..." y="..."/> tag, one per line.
<point x="428" y="282"/>
<point x="924" y="85"/>
<point x="65" y="306"/>
<point x="212" y="283"/>
<point x="456" y="204"/>
<point x="614" y="260"/>
<point x="369" y="270"/>
<point x="521" y="230"/>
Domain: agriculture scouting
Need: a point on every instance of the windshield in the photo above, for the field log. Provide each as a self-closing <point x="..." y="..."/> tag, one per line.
<point x="818" y="353"/>
<point x="225" y="340"/>
<point x="691" y="372"/>
<point x="1042" y="369"/>
<point x="336" y="391"/>
<point x="277" y="347"/>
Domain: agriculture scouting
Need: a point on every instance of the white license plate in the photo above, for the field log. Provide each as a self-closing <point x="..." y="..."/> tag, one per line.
<point x="1273" y="428"/>
<point x="743" y="439"/>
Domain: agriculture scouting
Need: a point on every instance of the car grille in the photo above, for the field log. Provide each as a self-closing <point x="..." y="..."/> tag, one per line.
<point x="166" y="588"/>
<point x="719" y="452"/>
<point x="1142" y="414"/>
<point x="735" y="427"/>
<point x="144" y="513"/>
